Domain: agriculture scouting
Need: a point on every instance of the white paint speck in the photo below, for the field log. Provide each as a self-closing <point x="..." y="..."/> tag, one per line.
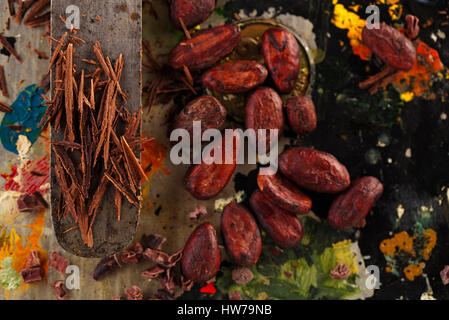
<point x="443" y="116"/>
<point x="433" y="37"/>
<point x="408" y="153"/>
<point x="400" y="211"/>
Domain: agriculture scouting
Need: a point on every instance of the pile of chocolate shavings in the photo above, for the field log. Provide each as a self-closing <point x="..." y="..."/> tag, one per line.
<point x="166" y="267"/>
<point x="100" y="137"/>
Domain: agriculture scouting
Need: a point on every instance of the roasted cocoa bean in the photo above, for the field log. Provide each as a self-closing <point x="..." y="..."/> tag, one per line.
<point x="235" y="76"/>
<point x="301" y="114"/>
<point x="241" y="235"/>
<point x="205" y="48"/>
<point x="206" y="109"/>
<point x="204" y="181"/>
<point x="285" y="229"/>
<point x="191" y="12"/>
<point x="201" y="256"/>
<point x="314" y="170"/>
<point x="281" y="52"/>
<point x="351" y="207"/>
<point x="391" y="46"/>
<point x="264" y="111"/>
<point x="283" y="193"/>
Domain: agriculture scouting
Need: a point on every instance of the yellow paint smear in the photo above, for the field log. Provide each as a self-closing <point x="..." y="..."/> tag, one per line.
<point x="19" y="247"/>
<point x="345" y="19"/>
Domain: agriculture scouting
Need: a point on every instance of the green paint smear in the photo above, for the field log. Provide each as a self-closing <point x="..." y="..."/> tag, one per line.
<point x="10" y="279"/>
<point x="299" y="273"/>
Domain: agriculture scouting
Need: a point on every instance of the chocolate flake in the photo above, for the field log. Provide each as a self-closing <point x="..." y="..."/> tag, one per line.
<point x="40" y="54"/>
<point x="58" y="262"/>
<point x="38" y="6"/>
<point x="106" y="266"/>
<point x="12" y="10"/>
<point x="5" y="108"/>
<point x="42" y="20"/>
<point x="5" y="43"/>
<point x="59" y="289"/>
<point x="3" y="86"/>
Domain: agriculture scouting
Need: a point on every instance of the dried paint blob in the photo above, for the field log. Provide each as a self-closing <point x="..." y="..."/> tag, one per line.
<point x="28" y="110"/>
<point x="409" y="253"/>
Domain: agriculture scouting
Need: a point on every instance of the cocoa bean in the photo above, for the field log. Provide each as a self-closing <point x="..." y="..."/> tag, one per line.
<point x="301" y="114"/>
<point x="314" y="170"/>
<point x="235" y="76"/>
<point x="283" y="193"/>
<point x="281" y="52"/>
<point x="205" y="48"/>
<point x="241" y="235"/>
<point x="351" y="207"/>
<point x="285" y="229"/>
<point x="201" y="256"/>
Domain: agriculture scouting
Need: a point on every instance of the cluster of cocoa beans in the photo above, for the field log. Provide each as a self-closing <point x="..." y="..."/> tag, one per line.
<point x="276" y="206"/>
<point x="279" y="200"/>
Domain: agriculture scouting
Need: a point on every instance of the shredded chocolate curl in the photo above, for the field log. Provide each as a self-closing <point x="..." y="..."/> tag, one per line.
<point x="11" y="8"/>
<point x="5" y="43"/>
<point x="138" y="174"/>
<point x="100" y="139"/>
<point x="3" y="86"/>
<point x="68" y="97"/>
<point x="38" y="7"/>
<point x="57" y="51"/>
<point x="118" y="203"/>
<point x="42" y="20"/>
<point x="5" y="108"/>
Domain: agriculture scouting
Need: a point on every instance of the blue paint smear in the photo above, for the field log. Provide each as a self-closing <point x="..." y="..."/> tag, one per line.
<point x="28" y="110"/>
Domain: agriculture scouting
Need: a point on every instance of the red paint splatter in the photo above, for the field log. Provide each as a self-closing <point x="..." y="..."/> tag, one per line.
<point x="31" y="181"/>
<point x="209" y="289"/>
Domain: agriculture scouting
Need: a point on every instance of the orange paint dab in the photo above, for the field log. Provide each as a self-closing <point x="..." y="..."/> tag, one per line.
<point x="154" y="155"/>
<point x="19" y="247"/>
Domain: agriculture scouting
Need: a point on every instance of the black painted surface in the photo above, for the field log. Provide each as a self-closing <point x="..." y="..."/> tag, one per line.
<point x="361" y="118"/>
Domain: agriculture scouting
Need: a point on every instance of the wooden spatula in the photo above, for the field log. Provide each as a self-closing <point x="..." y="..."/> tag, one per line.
<point x="116" y="24"/>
